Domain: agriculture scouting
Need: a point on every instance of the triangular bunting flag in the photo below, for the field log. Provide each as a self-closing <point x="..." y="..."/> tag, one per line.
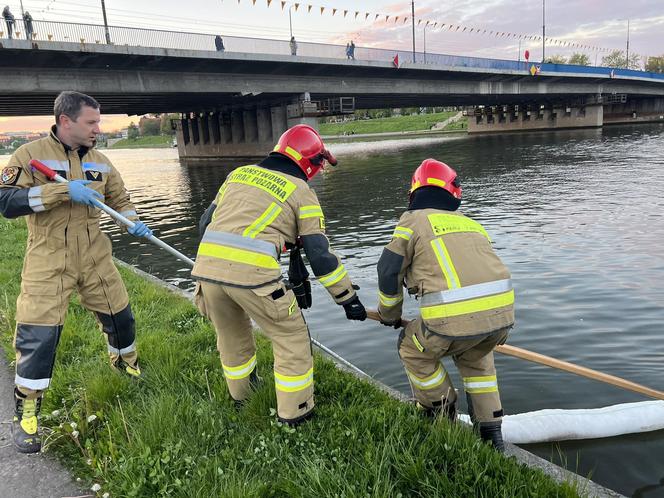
<point x="395" y="61"/>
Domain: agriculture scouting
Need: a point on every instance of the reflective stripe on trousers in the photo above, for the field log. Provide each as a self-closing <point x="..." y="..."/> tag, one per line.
<point x="479" y="385"/>
<point x="430" y="382"/>
<point x="293" y="383"/>
<point x="240" y="371"/>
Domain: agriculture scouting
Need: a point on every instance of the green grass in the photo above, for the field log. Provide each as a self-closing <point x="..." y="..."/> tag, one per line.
<point x="176" y="432"/>
<point x="140" y="142"/>
<point x="383" y="125"/>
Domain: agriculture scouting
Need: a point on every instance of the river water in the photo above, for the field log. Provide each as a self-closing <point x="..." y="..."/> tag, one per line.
<point x="576" y="215"/>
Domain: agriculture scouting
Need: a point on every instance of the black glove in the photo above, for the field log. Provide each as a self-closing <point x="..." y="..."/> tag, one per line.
<point x="355" y="310"/>
<point x="396" y="324"/>
<point x="302" y="293"/>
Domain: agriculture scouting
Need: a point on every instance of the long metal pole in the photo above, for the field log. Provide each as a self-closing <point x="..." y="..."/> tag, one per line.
<point x="627" y="58"/>
<point x="425" y="44"/>
<point x="290" y="21"/>
<point x="22" y="11"/>
<point x="412" y="16"/>
<point x="519" y="54"/>
<point x="543" y="29"/>
<point x="108" y="35"/>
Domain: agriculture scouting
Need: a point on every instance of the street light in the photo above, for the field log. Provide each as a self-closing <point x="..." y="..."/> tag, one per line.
<point x="425" y="42"/>
<point x="108" y="36"/>
<point x="290" y="20"/>
<point x="412" y="16"/>
<point x="627" y="52"/>
<point x="627" y="57"/>
<point x="543" y="30"/>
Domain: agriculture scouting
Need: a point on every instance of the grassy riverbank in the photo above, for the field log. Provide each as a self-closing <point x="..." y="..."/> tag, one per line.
<point x="416" y="122"/>
<point x="154" y="141"/>
<point x="177" y="433"/>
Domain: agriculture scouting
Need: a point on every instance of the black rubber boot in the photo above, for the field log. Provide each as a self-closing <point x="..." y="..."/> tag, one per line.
<point x="122" y="366"/>
<point x="25" y="427"/>
<point x="490" y="431"/>
<point x="297" y="421"/>
<point x="443" y="407"/>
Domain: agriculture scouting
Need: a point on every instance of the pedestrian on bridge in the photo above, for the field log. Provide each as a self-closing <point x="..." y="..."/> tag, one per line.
<point x="219" y="43"/>
<point x="10" y="21"/>
<point x="29" y="29"/>
<point x="258" y="210"/>
<point x="293" y="46"/>
<point x="466" y="300"/>
<point x="66" y="251"/>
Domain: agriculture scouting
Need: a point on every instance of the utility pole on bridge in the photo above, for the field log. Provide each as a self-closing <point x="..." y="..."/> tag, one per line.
<point x="108" y="35"/>
<point x="543" y="31"/>
<point x="412" y="9"/>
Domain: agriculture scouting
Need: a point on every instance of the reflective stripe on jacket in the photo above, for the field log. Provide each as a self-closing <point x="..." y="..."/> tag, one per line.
<point x="257" y="211"/>
<point x="446" y="259"/>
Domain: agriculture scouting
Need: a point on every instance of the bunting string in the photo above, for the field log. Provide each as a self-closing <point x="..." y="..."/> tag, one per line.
<point x="430" y="24"/>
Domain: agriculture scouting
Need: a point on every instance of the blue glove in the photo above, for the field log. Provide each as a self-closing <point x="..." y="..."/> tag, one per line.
<point x="140" y="230"/>
<point x="78" y="192"/>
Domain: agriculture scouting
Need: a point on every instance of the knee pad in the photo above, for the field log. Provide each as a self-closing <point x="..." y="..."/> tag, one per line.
<point x="119" y="327"/>
<point x="35" y="355"/>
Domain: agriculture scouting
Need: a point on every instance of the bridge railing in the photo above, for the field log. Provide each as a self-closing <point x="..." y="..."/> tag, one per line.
<point x="155" y="38"/>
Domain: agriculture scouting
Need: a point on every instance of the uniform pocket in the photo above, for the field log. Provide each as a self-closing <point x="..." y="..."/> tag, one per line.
<point x="199" y="300"/>
<point x="40" y="288"/>
<point x="278" y="302"/>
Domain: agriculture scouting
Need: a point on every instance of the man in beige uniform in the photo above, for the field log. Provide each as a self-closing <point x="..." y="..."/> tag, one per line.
<point x="466" y="299"/>
<point x="66" y="251"/>
<point x="258" y="210"/>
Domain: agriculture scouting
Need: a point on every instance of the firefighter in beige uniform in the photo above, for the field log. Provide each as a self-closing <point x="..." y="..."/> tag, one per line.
<point x="466" y="299"/>
<point x="66" y="251"/>
<point x="259" y="209"/>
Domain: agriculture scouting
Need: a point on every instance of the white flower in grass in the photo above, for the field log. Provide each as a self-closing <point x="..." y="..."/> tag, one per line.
<point x="55" y="413"/>
<point x="74" y="434"/>
<point x="73" y="425"/>
<point x="96" y="487"/>
<point x="105" y="495"/>
<point x="92" y="418"/>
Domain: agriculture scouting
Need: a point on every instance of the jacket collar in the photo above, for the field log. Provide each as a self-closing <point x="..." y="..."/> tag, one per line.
<point x="82" y="150"/>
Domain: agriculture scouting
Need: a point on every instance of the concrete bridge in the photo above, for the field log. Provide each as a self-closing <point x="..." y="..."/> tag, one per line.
<point x="236" y="103"/>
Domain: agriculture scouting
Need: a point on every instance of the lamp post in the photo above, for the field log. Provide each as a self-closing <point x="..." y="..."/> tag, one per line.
<point x="543" y="29"/>
<point x="412" y="16"/>
<point x="425" y="41"/>
<point x="290" y="20"/>
<point x="627" y="53"/>
<point x="108" y="35"/>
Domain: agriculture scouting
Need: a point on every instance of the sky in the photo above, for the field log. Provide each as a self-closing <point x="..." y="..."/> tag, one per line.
<point x="595" y="23"/>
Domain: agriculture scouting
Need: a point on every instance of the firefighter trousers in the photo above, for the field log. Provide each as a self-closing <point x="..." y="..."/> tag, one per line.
<point x="52" y="271"/>
<point x="275" y="311"/>
<point x="421" y="352"/>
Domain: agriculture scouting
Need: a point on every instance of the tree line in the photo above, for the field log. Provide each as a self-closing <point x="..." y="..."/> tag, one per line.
<point x="616" y="59"/>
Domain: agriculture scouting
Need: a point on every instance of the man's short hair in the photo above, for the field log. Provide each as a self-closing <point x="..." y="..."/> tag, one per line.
<point x="70" y="104"/>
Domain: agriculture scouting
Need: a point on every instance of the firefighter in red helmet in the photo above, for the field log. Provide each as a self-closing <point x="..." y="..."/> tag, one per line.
<point x="446" y="261"/>
<point x="259" y="210"/>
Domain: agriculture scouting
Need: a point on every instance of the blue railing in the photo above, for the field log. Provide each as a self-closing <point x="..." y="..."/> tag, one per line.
<point x="140" y="37"/>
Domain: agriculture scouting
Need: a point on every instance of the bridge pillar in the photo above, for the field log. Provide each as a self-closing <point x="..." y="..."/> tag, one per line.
<point x="244" y="133"/>
<point x="500" y="119"/>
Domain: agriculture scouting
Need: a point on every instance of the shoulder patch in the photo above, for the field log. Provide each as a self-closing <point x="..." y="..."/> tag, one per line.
<point x="10" y="175"/>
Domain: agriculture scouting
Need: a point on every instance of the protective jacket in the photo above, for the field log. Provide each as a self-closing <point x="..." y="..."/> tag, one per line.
<point x="66" y="251"/>
<point x="257" y="212"/>
<point x="446" y="260"/>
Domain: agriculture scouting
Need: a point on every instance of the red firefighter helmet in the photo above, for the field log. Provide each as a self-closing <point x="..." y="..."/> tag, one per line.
<point x="303" y="144"/>
<point x="432" y="173"/>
